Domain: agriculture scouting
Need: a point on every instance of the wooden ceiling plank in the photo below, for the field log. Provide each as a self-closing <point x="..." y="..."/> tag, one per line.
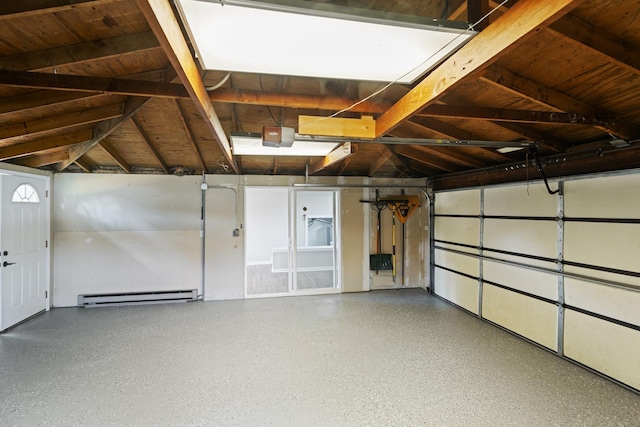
<point x="192" y="139"/>
<point x="542" y="95"/>
<point x="115" y="156"/>
<point x="342" y="152"/>
<point x="420" y="157"/>
<point x="518" y="24"/>
<point x="289" y="100"/>
<point x="454" y="133"/>
<point x="64" y="121"/>
<point x="381" y="161"/>
<point x="43" y="159"/>
<point x="35" y="147"/>
<point x="22" y="8"/>
<point x="104" y="129"/>
<point x="82" y="52"/>
<point x="84" y="165"/>
<point x="602" y="43"/>
<point x="165" y="26"/>
<point x="92" y="84"/>
<point x="275" y="165"/>
<point x="152" y="147"/>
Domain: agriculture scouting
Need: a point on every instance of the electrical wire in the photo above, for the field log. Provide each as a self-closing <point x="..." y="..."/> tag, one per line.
<point x="388" y="85"/>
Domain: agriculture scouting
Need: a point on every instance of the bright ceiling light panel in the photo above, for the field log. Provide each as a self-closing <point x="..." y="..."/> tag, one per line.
<point x="251" y="144"/>
<point x="299" y="38"/>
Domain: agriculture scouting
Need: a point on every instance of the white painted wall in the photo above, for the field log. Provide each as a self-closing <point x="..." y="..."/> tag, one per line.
<point x="130" y="233"/>
<point x="605" y="346"/>
<point x="124" y="233"/>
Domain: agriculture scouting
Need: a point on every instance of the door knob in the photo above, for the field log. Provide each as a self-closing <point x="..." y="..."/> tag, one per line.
<point x="6" y="264"/>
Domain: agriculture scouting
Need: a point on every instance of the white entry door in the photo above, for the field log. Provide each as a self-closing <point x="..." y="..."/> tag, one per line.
<point x="24" y="228"/>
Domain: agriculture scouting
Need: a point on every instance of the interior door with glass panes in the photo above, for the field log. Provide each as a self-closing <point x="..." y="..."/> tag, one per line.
<point x="315" y="231"/>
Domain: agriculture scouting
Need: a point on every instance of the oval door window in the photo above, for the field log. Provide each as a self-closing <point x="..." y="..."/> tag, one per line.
<point x="25" y="194"/>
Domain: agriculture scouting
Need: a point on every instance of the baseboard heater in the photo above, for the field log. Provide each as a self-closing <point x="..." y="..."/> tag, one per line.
<point x="137" y="298"/>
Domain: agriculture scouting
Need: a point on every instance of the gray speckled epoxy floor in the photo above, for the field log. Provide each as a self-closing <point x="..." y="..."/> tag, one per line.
<point x="384" y="358"/>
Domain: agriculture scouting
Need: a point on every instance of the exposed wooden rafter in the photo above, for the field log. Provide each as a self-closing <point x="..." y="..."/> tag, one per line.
<point x="192" y="139"/>
<point x="602" y="43"/>
<point x="303" y="101"/>
<point x="542" y="95"/>
<point x="103" y="130"/>
<point x="57" y="123"/>
<point x="152" y="147"/>
<point x="497" y="39"/>
<point x="13" y="9"/>
<point x="115" y="156"/>
<point x="39" y="160"/>
<point x="83" y="52"/>
<point x="92" y="84"/>
<point x="40" y="146"/>
<point x="163" y="23"/>
<point x="416" y="154"/>
<point x="382" y="159"/>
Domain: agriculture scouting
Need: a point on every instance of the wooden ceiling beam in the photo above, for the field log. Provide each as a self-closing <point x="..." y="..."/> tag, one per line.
<point x="100" y="85"/>
<point x="82" y="52"/>
<point x="518" y="24"/>
<point x="342" y="152"/>
<point x="421" y="157"/>
<point x="508" y="115"/>
<point x="165" y="26"/>
<point x="104" y="129"/>
<point x="84" y="165"/>
<point x="611" y="48"/>
<point x="115" y="156"/>
<point x="290" y="100"/>
<point x="456" y="133"/>
<point x="40" y="160"/>
<point x="40" y="146"/>
<point x="56" y="123"/>
<point x="545" y="96"/>
<point x="192" y="139"/>
<point x="345" y="164"/>
<point x="22" y="8"/>
<point x="31" y="101"/>
<point x="152" y="147"/>
<point x="444" y="153"/>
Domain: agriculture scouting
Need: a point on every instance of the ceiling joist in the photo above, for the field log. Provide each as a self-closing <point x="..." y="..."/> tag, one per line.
<point x="14" y="9"/>
<point x="547" y="97"/>
<point x="497" y="39"/>
<point x="40" y="146"/>
<point x="57" y="123"/>
<point x="82" y="52"/>
<point x="310" y="102"/>
<point x="115" y="156"/>
<point x="152" y="147"/>
<point x="99" y="85"/>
